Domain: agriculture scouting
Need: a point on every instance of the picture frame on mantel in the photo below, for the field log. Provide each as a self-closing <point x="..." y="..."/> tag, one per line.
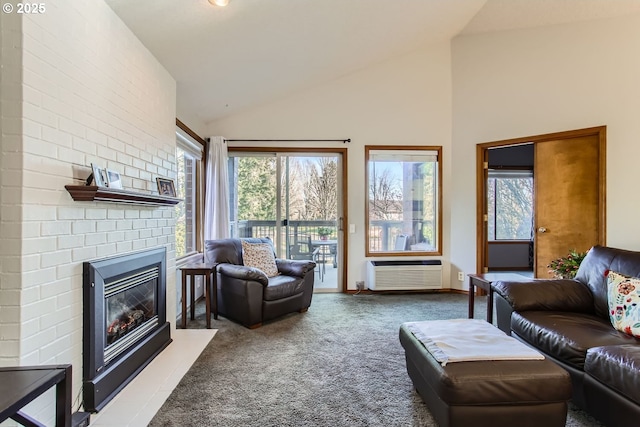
<point x="113" y="178"/>
<point x="97" y="176"/>
<point x="166" y="187"/>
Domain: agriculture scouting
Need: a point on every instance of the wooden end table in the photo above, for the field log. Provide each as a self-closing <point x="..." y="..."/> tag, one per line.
<point x="484" y="281"/>
<point x="206" y="269"/>
<point x="21" y="385"/>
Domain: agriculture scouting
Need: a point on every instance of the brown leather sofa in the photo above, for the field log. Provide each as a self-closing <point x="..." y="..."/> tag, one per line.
<point x="568" y="321"/>
<point x="247" y="295"/>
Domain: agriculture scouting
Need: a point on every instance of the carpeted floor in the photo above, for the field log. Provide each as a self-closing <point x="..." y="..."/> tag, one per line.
<point x="339" y="364"/>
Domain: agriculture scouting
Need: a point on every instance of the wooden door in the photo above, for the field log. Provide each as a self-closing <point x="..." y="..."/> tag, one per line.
<point x="483" y="220"/>
<point x="567" y="187"/>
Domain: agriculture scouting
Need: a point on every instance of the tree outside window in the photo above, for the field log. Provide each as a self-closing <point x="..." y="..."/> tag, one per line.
<point x="308" y="191"/>
<point x="510" y="205"/>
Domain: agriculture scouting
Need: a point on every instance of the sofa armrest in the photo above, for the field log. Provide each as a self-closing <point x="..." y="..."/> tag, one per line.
<point x="546" y="295"/>
<point x="296" y="268"/>
<point x="242" y="272"/>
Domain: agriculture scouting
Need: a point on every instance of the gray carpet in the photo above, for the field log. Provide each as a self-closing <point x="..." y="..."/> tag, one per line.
<point x="339" y="364"/>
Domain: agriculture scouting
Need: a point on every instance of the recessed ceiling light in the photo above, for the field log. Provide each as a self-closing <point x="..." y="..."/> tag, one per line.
<point x="219" y="2"/>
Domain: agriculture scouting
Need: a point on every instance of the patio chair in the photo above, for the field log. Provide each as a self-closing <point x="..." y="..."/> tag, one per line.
<point x="302" y="249"/>
<point x="401" y="242"/>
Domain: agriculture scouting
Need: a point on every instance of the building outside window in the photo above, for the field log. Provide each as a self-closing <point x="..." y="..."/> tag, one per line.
<point x="188" y="159"/>
<point x="404" y="199"/>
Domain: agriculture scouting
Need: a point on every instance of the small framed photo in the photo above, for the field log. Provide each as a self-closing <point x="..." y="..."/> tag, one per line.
<point x="166" y="187"/>
<point x="113" y="178"/>
<point x="97" y="176"/>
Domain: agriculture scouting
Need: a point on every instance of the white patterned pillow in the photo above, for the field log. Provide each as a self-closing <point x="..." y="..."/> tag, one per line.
<point x="260" y="256"/>
<point x="624" y="303"/>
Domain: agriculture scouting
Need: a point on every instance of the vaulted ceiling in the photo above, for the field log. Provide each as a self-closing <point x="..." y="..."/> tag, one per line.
<point x="226" y="59"/>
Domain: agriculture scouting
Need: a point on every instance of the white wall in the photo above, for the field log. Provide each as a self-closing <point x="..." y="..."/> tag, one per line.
<point x="192" y="121"/>
<point x="529" y="82"/>
<point x="90" y="92"/>
<point x="404" y="101"/>
<point x="504" y="85"/>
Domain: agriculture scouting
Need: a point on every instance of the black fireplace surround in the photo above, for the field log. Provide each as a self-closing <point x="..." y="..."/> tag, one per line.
<point x="125" y="321"/>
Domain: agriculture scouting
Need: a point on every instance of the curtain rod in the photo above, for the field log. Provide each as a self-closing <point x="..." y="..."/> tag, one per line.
<point x="345" y="141"/>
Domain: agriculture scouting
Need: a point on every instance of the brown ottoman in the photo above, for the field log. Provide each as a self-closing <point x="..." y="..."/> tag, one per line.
<point x="523" y="393"/>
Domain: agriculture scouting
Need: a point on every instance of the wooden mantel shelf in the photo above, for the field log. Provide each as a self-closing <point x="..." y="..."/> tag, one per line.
<point x="91" y="193"/>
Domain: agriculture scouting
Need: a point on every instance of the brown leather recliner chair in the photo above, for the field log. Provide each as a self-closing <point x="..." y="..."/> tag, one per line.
<point x="247" y="295"/>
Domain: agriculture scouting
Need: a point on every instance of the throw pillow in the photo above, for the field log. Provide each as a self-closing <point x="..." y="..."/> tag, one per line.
<point x="260" y="256"/>
<point x="624" y="303"/>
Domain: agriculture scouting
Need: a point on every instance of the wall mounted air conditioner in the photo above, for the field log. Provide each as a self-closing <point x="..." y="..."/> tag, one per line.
<point x="404" y="275"/>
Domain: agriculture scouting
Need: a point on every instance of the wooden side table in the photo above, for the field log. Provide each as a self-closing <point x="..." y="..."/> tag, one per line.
<point x="484" y="281"/>
<point x="21" y="385"/>
<point x="206" y="269"/>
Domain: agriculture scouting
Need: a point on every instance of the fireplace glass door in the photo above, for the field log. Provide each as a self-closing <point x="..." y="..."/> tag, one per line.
<point x="130" y="310"/>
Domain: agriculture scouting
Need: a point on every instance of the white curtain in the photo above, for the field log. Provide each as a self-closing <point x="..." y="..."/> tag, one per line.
<point x="216" y="201"/>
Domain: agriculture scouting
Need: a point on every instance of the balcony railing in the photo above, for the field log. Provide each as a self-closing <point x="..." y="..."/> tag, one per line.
<point x="382" y="233"/>
<point x="258" y="228"/>
<point x="264" y="228"/>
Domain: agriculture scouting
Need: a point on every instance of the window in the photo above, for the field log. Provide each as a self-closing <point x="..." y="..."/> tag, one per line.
<point x="188" y="167"/>
<point x="404" y="198"/>
<point x="510" y="204"/>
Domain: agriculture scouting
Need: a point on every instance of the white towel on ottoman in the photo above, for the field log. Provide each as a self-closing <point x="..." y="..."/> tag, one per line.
<point x="467" y="340"/>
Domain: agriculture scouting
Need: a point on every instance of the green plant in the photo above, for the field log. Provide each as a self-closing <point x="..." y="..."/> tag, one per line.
<point x="324" y="231"/>
<point x="566" y="267"/>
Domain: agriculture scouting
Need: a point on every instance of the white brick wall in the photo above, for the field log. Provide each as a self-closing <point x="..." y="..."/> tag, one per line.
<point x="91" y="93"/>
<point x="10" y="191"/>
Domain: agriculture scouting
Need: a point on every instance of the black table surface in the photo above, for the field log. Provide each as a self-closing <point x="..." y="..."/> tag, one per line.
<point x="21" y="385"/>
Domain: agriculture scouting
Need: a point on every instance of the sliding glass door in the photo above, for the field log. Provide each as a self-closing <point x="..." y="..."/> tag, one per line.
<point x="294" y="199"/>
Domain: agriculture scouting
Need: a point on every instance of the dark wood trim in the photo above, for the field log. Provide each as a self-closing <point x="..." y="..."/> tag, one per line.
<point x="602" y="190"/>
<point x="368" y="148"/>
<point x="597" y="130"/>
<point x="191" y="133"/>
<point x="482" y="244"/>
<point x="345" y="215"/>
<point x="200" y="180"/>
<point x="91" y="193"/>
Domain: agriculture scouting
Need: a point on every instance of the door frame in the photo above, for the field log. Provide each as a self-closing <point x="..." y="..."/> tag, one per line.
<point x="343" y="254"/>
<point x="482" y="153"/>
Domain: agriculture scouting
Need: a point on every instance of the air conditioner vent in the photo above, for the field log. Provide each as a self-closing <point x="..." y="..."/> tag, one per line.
<point x="404" y="275"/>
